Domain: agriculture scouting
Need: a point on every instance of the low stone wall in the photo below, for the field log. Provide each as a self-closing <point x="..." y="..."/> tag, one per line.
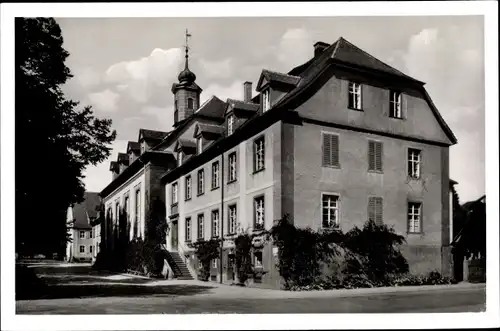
<point x="475" y="271"/>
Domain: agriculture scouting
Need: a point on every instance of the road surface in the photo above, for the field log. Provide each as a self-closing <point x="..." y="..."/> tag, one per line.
<point x="79" y="290"/>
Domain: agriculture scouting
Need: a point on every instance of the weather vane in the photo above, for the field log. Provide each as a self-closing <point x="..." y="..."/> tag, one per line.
<point x="187" y="40"/>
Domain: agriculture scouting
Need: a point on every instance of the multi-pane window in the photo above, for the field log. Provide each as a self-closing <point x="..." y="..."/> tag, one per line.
<point x="266" y="103"/>
<point x="179" y="159"/>
<point x="82" y="249"/>
<point x="258" y="154"/>
<point x="201" y="182"/>
<point x="117" y="212"/>
<point x="259" y="212"/>
<point x="354" y="95"/>
<point x="190" y="103"/>
<point x="188" y="228"/>
<point x="82" y="234"/>
<point x="137" y="213"/>
<point x="330" y="150"/>
<point x="232" y="219"/>
<point x="375" y="210"/>
<point x="215" y="263"/>
<point x="330" y="211"/>
<point x="232" y="167"/>
<point x="395" y="105"/>
<point x="375" y="154"/>
<point x="215" y="223"/>
<point x="215" y="175"/>
<point x="414" y="217"/>
<point x="199" y="145"/>
<point x="230" y="124"/>
<point x="201" y="226"/>
<point x="414" y="160"/>
<point x="189" y="188"/>
<point x="175" y="193"/>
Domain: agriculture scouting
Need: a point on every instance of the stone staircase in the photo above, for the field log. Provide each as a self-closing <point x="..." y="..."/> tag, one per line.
<point x="178" y="266"/>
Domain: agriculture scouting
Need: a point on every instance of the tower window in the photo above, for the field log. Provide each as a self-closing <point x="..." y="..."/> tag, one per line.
<point x="190" y="103"/>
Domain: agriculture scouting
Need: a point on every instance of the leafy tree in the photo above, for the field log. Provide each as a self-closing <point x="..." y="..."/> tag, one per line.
<point x="55" y="139"/>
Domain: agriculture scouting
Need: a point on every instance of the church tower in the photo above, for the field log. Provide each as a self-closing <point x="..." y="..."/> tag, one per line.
<point x="186" y="92"/>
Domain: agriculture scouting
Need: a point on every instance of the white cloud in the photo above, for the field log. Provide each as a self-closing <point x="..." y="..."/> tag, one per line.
<point x="105" y="101"/>
<point x="217" y="69"/>
<point x="98" y="177"/>
<point x="138" y="78"/>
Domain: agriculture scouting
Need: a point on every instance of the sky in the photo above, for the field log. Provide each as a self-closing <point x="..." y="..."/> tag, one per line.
<point x="124" y="69"/>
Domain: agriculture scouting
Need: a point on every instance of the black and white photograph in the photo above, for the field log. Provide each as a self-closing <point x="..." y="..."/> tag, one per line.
<point x="189" y="165"/>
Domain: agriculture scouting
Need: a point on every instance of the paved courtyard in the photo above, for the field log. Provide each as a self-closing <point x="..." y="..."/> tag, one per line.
<point x="77" y="289"/>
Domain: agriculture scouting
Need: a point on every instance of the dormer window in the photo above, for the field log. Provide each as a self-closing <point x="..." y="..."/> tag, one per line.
<point x="199" y="145"/>
<point x="143" y="147"/>
<point x="266" y="102"/>
<point x="395" y="105"/>
<point x="190" y="103"/>
<point x="230" y="124"/>
<point x="179" y="159"/>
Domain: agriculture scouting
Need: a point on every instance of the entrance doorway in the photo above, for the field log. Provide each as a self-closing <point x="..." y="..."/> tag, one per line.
<point x="175" y="235"/>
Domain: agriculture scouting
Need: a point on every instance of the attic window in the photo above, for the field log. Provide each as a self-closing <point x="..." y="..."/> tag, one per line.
<point x="179" y="159"/>
<point x="266" y="103"/>
<point x="230" y="124"/>
<point x="354" y="96"/>
<point x="199" y="145"/>
<point x="190" y="103"/>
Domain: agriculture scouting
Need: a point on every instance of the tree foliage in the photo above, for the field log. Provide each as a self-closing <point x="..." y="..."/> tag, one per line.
<point x="206" y="251"/>
<point x="243" y="247"/>
<point x="55" y="138"/>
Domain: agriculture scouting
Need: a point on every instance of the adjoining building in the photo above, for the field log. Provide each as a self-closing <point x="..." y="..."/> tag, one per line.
<point x="82" y="247"/>
<point x="335" y="141"/>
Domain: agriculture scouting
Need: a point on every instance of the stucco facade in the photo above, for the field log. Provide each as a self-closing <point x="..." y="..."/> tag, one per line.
<point x="295" y="178"/>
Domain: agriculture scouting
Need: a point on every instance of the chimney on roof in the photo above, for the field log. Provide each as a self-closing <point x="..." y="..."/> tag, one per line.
<point x="319" y="47"/>
<point x="247" y="91"/>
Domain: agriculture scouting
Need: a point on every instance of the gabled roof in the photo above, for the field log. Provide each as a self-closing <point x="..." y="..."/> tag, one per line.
<point x="185" y="145"/>
<point x="113" y="165"/>
<point x="151" y="134"/>
<point x="133" y="146"/>
<point x="86" y="210"/>
<point x="123" y="158"/>
<point x="213" y="107"/>
<point x="208" y="128"/>
<point x="241" y="105"/>
<point x="278" y="77"/>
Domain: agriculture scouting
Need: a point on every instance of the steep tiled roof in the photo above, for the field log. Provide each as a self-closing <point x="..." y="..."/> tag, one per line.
<point x="123" y="158"/>
<point x="213" y="107"/>
<point x="280" y="77"/>
<point x="237" y="104"/>
<point x="349" y="53"/>
<point x="82" y="212"/>
<point x="152" y="134"/>
<point x="208" y="128"/>
<point x="133" y="146"/>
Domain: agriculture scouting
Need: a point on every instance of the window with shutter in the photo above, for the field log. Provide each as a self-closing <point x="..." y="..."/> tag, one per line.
<point x="330" y="150"/>
<point x="375" y="210"/>
<point x="375" y="154"/>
